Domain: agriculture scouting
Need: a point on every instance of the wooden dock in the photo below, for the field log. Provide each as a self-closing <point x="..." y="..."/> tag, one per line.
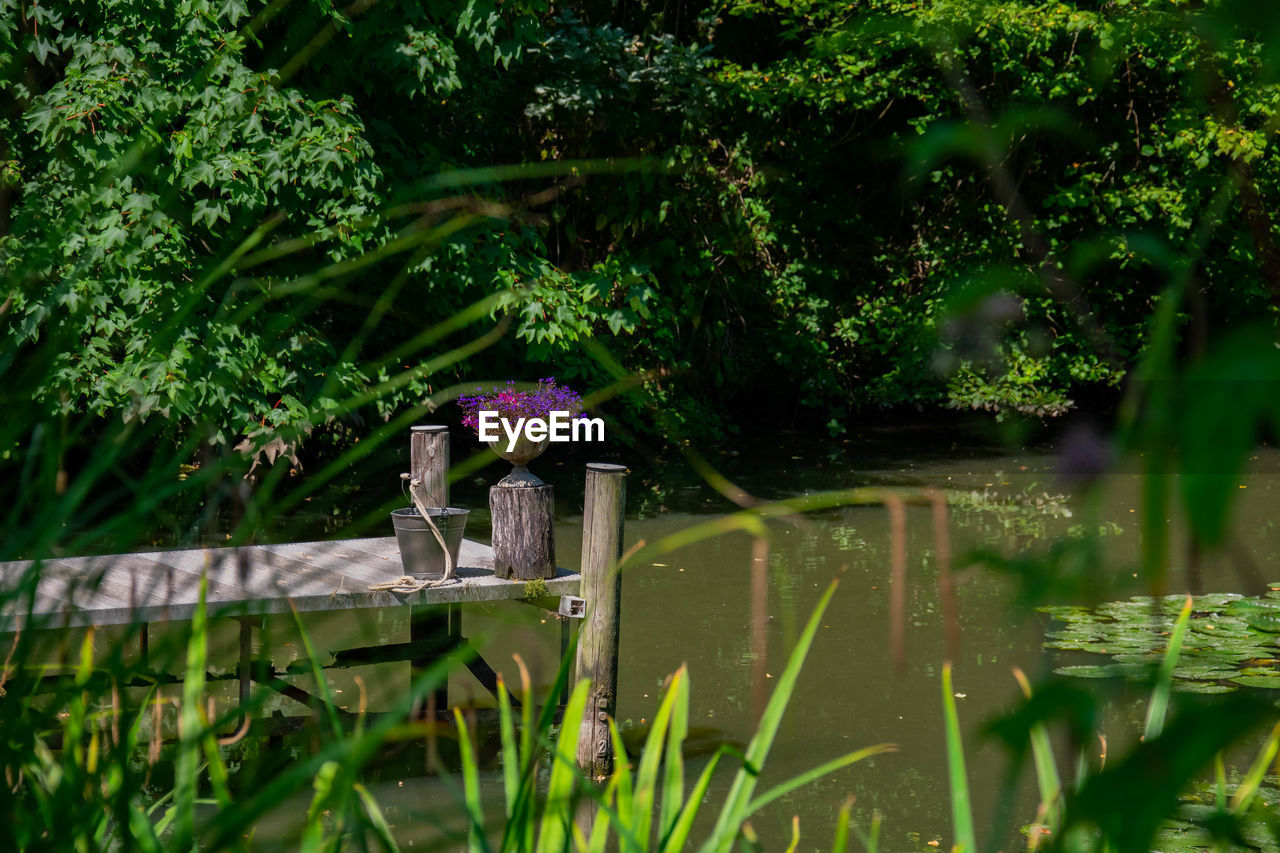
<point x="151" y="587"/>
<point x="253" y="580"/>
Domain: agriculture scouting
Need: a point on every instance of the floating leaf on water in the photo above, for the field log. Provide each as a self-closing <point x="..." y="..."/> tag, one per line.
<point x="1091" y="671"/>
<point x="1263" y="620"/>
<point x="1220" y="631"/>
<point x="1202" y="687"/>
<point x="1230" y="638"/>
<point x="1204" y="673"/>
<point x="1150" y="659"/>
<point x="1259" y="670"/>
<point x="1069" y="613"/>
<point x="1245" y="606"/>
<point x="1214" y="600"/>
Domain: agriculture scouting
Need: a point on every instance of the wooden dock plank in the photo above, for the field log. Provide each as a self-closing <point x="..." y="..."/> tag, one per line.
<point x="314" y="576"/>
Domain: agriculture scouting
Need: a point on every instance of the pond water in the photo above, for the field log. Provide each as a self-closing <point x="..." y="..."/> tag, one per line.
<point x="695" y="606"/>
<point x="701" y="606"/>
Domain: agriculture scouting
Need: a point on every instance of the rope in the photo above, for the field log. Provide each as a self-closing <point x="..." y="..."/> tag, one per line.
<point x="406" y="583"/>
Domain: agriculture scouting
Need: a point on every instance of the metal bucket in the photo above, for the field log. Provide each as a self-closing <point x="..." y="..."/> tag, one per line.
<point x="419" y="549"/>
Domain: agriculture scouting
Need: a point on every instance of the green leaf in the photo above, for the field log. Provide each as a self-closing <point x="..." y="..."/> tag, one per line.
<point x="737" y="803"/>
<point x="961" y="814"/>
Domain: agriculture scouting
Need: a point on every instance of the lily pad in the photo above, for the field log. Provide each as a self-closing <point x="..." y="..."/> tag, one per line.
<point x="1263" y="620"/>
<point x="1231" y="640"/>
<point x="1091" y="671"/>
<point x="1202" y="687"/>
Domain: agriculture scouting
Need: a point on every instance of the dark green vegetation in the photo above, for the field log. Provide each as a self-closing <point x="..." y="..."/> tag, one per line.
<point x="232" y="218"/>
<point x="231" y="232"/>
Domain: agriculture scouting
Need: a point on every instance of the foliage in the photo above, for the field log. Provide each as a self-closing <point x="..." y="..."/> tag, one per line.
<point x="1231" y="639"/>
<point x="515" y="404"/>
<point x="1167" y="815"/>
<point x="88" y="769"/>
<point x="148" y="152"/>
<point x="172" y="175"/>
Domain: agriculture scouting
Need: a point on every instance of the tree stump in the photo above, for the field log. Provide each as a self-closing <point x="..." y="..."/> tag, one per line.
<point x="524" y="545"/>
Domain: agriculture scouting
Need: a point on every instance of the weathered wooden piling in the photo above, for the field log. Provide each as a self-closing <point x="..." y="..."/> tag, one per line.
<point x="602" y="588"/>
<point x="429" y="462"/>
<point x="430" y="630"/>
<point x="524" y="544"/>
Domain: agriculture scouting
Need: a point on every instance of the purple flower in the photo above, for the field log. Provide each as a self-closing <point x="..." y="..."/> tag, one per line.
<point x="545" y="398"/>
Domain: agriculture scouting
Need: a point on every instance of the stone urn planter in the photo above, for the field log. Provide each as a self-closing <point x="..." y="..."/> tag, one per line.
<point x="521" y="505"/>
<point x="524" y="452"/>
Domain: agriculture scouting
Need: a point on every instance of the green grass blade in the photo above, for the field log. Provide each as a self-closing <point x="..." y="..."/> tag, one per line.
<point x="1253" y="779"/>
<point x="521" y="828"/>
<point x="322" y="683"/>
<point x="1219" y="783"/>
<point x="352" y="751"/>
<point x="526" y="716"/>
<point x="1159" y="704"/>
<point x="735" y="809"/>
<point x="142" y="833"/>
<point x="817" y="773"/>
<point x="675" y="842"/>
<point x="841" y="842"/>
<point x="673" y="777"/>
<point x="510" y="754"/>
<point x="376" y="818"/>
<point x="599" y="840"/>
<point x="1047" y="778"/>
<point x="647" y="774"/>
<point x="557" y="815"/>
<point x="795" y="834"/>
<point x="872" y="841"/>
<point x="1082" y="769"/>
<point x="526" y="826"/>
<point x="625" y="788"/>
<point x="187" y="761"/>
<point x="324" y="784"/>
<point x="961" y="813"/>
<point x="470" y="786"/>
<point x="219" y="778"/>
<point x="606" y="816"/>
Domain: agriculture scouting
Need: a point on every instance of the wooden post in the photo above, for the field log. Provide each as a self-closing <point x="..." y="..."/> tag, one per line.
<point x="598" y="636"/>
<point x="430" y="631"/>
<point x="524" y="542"/>
<point x="429" y="462"/>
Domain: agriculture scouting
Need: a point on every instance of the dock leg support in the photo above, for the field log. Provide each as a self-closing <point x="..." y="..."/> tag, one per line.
<point x="602" y="589"/>
<point x="432" y="635"/>
<point x="433" y="630"/>
<point x="245" y="676"/>
<point x="565" y="639"/>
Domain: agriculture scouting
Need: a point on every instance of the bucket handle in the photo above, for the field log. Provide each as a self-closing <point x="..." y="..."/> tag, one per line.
<point x="414" y="487"/>
<point x="406" y="583"/>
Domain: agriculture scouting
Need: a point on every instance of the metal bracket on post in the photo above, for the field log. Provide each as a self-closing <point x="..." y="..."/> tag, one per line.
<point x="572" y="607"/>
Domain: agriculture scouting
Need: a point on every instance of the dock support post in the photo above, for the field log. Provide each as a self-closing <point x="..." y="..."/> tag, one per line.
<point x="429" y="462"/>
<point x="429" y="627"/>
<point x="602" y="589"/>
